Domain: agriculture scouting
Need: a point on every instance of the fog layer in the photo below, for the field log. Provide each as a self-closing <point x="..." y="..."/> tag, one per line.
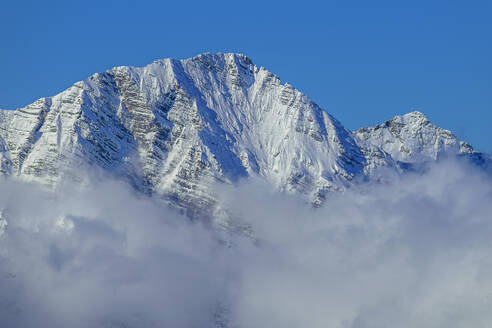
<point x="414" y="252"/>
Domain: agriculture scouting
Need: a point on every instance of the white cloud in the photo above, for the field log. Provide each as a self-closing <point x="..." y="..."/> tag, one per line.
<point x="115" y="258"/>
<point x="412" y="253"/>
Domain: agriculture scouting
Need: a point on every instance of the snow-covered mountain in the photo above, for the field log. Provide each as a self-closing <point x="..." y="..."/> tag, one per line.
<point x="413" y="138"/>
<point x="176" y="127"/>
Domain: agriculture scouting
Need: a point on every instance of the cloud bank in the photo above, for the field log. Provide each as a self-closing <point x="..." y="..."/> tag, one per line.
<point x="414" y="252"/>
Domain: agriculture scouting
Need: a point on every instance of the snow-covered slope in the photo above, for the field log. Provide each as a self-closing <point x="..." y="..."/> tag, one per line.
<point x="176" y="127"/>
<point x="413" y="138"/>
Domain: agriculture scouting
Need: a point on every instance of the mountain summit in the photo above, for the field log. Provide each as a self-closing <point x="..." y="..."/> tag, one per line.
<point x="174" y="128"/>
<point x="413" y="138"/>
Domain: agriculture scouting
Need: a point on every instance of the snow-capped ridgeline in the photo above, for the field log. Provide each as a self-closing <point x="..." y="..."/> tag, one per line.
<point x="413" y="138"/>
<point x="176" y="127"/>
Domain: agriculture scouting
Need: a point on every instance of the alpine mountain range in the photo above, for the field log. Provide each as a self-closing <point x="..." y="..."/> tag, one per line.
<point x="176" y="128"/>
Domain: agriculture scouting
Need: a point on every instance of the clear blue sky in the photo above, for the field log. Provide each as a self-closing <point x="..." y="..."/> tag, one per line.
<point x="363" y="61"/>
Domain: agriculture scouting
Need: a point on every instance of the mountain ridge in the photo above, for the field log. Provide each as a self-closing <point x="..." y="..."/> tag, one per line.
<point x="176" y="127"/>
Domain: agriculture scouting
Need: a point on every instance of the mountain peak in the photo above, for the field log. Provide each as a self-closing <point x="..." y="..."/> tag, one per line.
<point x="411" y="138"/>
<point x="225" y="55"/>
<point x="415" y="115"/>
<point x="177" y="127"/>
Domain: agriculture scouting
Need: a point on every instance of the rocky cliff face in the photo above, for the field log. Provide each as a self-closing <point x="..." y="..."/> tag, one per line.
<point x="176" y="127"/>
